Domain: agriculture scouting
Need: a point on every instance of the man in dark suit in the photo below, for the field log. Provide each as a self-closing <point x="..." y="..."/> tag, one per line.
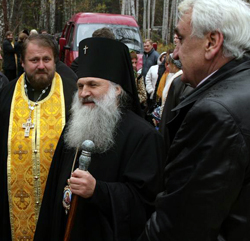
<point x="207" y="175"/>
<point x="9" y="58"/>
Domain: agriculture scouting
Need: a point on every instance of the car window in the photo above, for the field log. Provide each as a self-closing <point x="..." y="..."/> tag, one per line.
<point x="127" y="34"/>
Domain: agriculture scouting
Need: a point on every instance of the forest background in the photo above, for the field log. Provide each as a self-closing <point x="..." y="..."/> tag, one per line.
<point x="156" y="18"/>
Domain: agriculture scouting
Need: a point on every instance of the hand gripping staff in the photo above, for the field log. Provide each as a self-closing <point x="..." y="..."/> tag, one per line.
<point x="84" y="161"/>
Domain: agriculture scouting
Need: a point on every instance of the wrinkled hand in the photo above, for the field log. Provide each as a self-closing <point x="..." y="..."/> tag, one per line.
<point x="82" y="183"/>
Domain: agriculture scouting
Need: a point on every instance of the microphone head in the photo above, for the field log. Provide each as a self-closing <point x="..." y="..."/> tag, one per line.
<point x="88" y="146"/>
<point x="85" y="157"/>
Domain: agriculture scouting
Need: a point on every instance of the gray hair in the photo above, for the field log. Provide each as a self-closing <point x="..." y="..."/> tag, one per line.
<point x="123" y="98"/>
<point x="176" y="62"/>
<point x="230" y="17"/>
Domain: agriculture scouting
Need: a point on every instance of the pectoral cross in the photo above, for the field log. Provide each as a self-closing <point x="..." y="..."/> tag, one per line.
<point x="85" y="49"/>
<point x="27" y="126"/>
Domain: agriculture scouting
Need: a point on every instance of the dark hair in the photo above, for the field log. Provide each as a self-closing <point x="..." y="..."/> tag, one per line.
<point x="22" y="37"/>
<point x="104" y="33"/>
<point x="8" y="33"/>
<point x="133" y="55"/>
<point x="42" y="40"/>
<point x="25" y="31"/>
<point x="170" y="51"/>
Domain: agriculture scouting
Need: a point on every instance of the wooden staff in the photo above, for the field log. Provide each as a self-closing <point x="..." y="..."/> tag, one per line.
<point x="84" y="161"/>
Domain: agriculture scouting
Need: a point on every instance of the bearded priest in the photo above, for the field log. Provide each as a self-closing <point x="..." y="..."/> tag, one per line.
<point x="117" y="193"/>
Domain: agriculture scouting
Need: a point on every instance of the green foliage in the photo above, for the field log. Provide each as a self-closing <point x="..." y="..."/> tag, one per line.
<point x="163" y="48"/>
<point x="158" y="12"/>
<point x="93" y="6"/>
<point x="101" y="8"/>
<point x="30" y="16"/>
<point x="155" y="36"/>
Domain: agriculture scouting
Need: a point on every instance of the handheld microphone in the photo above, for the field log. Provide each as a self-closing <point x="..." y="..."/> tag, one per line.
<point x="85" y="158"/>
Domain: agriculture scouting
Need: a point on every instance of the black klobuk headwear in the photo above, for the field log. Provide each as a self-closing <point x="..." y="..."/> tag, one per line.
<point x="108" y="59"/>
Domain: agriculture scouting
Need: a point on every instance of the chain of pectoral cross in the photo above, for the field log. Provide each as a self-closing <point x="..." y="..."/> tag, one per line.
<point x="29" y="125"/>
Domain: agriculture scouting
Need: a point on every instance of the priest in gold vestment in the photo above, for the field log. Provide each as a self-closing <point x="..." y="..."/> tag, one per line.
<point x="33" y="112"/>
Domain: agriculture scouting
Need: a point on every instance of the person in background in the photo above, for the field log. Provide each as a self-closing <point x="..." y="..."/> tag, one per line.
<point x="117" y="193"/>
<point x="174" y="67"/>
<point x="26" y="31"/>
<point x="33" y="32"/>
<point x="175" y="39"/>
<point x="163" y="79"/>
<point x="150" y="57"/>
<point x="44" y="31"/>
<point x="151" y="79"/>
<point x="34" y="109"/>
<point x="18" y="47"/>
<point x="139" y="82"/>
<point x="207" y="174"/>
<point x="9" y="57"/>
<point x="152" y="76"/>
<point x="162" y="74"/>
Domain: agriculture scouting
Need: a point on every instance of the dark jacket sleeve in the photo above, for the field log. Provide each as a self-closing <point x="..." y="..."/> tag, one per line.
<point x="7" y="47"/>
<point x="203" y="179"/>
<point x="8" y="55"/>
<point x="74" y="65"/>
<point x="3" y="80"/>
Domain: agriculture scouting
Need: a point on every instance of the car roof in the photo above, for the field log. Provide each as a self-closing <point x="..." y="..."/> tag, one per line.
<point x="104" y="18"/>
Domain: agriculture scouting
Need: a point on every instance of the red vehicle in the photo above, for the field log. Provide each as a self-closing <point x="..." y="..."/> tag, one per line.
<point x="82" y="25"/>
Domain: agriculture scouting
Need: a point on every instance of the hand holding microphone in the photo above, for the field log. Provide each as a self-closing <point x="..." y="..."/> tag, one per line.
<point x="82" y="183"/>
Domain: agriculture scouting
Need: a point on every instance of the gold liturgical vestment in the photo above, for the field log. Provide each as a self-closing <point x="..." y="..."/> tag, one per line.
<point x="29" y="157"/>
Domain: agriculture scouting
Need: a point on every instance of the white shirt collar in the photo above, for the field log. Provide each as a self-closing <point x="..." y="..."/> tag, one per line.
<point x="206" y="78"/>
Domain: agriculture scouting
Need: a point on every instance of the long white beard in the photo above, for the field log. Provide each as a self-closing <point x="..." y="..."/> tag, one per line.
<point x="97" y="124"/>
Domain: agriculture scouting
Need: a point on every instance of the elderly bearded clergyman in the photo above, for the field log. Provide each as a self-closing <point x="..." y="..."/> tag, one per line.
<point x="117" y="195"/>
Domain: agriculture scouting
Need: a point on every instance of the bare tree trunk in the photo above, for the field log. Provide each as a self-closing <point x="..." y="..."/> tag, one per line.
<point x="176" y="13"/>
<point x="137" y="10"/>
<point x="128" y="12"/>
<point x="52" y="16"/>
<point x="2" y="25"/>
<point x="153" y="14"/>
<point x="123" y="6"/>
<point x="170" y="26"/>
<point x="67" y="13"/>
<point x="11" y="10"/>
<point x="73" y="9"/>
<point x="144" y="17"/>
<point x="43" y="15"/>
<point x="165" y="20"/>
<point x="148" y="32"/>
<point x="5" y="15"/>
<point x="132" y="7"/>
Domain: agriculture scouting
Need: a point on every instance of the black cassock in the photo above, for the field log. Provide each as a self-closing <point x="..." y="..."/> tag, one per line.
<point x="129" y="176"/>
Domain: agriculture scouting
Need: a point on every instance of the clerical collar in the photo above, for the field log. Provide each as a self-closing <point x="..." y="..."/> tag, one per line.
<point x="33" y="94"/>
